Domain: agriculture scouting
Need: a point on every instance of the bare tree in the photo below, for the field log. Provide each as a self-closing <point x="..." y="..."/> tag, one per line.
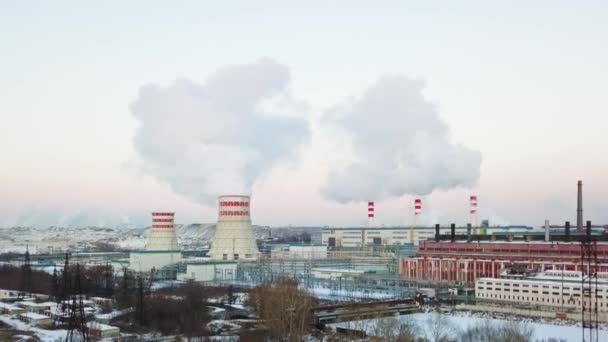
<point x="392" y="329"/>
<point x="284" y="308"/>
<point x="489" y="331"/>
<point x="440" y="328"/>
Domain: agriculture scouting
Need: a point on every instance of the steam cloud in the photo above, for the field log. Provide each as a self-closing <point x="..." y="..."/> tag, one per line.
<point x="399" y="144"/>
<point x="212" y="139"/>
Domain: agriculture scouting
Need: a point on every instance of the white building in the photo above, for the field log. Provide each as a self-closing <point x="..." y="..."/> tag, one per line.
<point x="334" y="273"/>
<point x="144" y="261"/>
<point x="209" y="271"/>
<point x="8" y="309"/>
<point x="36" y="319"/>
<point x="299" y="251"/>
<point x="234" y="236"/>
<point x="100" y="331"/>
<point x="543" y="289"/>
<point x="9" y="294"/>
<point x="363" y="236"/>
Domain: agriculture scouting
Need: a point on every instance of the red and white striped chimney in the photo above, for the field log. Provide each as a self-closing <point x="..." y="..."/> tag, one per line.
<point x="473" y="209"/>
<point x="417" y="206"/>
<point x="473" y="204"/>
<point x="370" y="213"/>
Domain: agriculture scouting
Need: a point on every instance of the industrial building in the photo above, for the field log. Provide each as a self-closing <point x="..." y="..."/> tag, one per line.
<point x="556" y="289"/>
<point x="234" y="236"/>
<point x="453" y="258"/>
<point x="36" y="319"/>
<point x="298" y="251"/>
<point x="208" y="271"/>
<point x="98" y="330"/>
<point x="364" y="236"/>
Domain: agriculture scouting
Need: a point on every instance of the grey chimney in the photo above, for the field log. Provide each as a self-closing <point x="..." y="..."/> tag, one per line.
<point x="579" y="207"/>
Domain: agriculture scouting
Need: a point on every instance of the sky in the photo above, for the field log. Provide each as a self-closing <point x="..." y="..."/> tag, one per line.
<point x="521" y="82"/>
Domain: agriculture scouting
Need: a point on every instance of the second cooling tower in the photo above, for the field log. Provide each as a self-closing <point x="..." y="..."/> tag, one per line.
<point x="234" y="236"/>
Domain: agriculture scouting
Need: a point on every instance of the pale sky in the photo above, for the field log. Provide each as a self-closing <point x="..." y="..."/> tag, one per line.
<point x="523" y="82"/>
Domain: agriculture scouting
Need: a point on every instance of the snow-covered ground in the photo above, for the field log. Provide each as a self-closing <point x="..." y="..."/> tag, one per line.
<point x="461" y="321"/>
<point x="333" y="294"/>
<point x="42" y="334"/>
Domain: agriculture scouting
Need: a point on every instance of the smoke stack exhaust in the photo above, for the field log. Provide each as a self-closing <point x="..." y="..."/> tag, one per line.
<point x="579" y="207"/>
<point x="437" y="232"/>
<point x="567" y="230"/>
<point x="468" y="232"/>
<point x="453" y="232"/>
<point x="547" y="236"/>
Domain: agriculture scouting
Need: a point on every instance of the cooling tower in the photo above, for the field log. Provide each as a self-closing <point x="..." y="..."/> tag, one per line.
<point x="162" y="234"/>
<point x="234" y="236"/>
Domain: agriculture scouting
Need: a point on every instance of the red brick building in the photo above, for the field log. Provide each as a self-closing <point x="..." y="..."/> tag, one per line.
<point x="465" y="262"/>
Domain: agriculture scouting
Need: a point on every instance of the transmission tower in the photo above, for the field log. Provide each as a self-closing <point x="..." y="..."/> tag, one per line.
<point x="26" y="275"/>
<point x="77" y="328"/>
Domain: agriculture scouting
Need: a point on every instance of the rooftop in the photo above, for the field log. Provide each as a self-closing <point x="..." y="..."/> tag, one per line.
<point x="33" y="315"/>
<point x="100" y="326"/>
<point x="426" y="228"/>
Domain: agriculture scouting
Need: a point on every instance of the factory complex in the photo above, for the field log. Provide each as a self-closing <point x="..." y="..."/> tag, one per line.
<point x="561" y="271"/>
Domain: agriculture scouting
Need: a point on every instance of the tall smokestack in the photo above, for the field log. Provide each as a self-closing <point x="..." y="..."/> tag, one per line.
<point x="579" y="207"/>
<point x="468" y="232"/>
<point x="162" y="234"/>
<point x="234" y="236"/>
<point x="437" y="232"/>
<point x="567" y="230"/>
<point x="453" y="232"/>
<point x="547" y="231"/>
<point x="370" y="214"/>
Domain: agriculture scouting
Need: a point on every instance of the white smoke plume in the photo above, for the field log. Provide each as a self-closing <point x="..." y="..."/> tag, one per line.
<point x="216" y="138"/>
<point x="399" y="145"/>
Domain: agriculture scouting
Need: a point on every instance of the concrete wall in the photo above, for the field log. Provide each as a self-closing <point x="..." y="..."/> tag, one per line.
<point x="144" y="261"/>
<point x="209" y="271"/>
<point x="300" y="252"/>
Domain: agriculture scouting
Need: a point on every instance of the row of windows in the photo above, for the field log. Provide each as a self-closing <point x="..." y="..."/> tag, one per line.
<point x="527" y="285"/>
<point x="570" y="301"/>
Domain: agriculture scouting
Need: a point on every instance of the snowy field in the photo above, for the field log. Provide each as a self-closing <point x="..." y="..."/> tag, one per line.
<point x="42" y="334"/>
<point x="461" y="322"/>
<point x="345" y="295"/>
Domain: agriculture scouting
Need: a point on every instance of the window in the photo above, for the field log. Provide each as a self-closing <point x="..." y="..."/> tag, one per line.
<point x="236" y="257"/>
<point x="225" y="257"/>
